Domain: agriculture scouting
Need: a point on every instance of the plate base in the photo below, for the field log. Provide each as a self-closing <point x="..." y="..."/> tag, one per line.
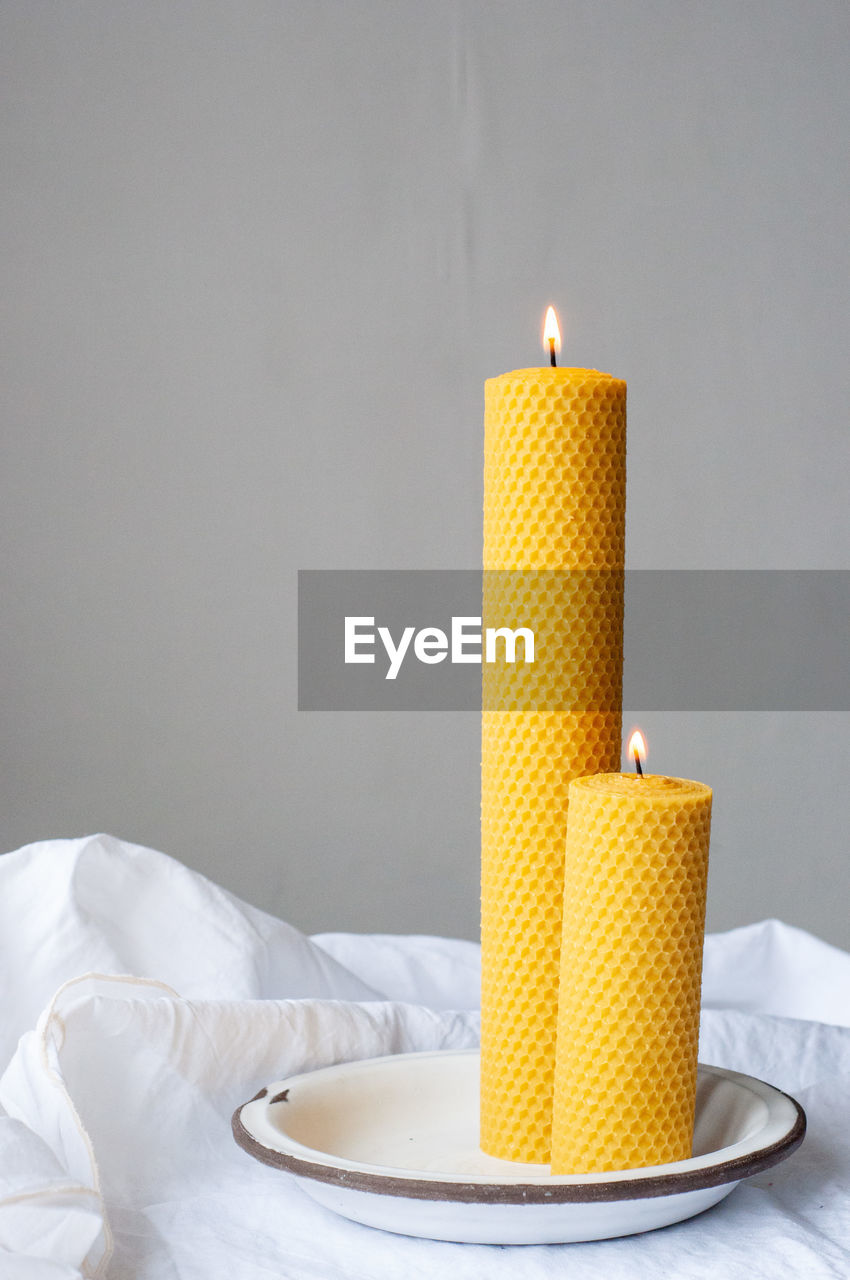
<point x="393" y="1143"/>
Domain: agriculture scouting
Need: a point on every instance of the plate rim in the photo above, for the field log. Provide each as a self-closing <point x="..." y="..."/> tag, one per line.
<point x="593" y="1188"/>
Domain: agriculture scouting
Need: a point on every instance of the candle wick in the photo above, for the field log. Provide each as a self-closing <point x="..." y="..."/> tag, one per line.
<point x="638" y="765"/>
<point x="552" y="359"/>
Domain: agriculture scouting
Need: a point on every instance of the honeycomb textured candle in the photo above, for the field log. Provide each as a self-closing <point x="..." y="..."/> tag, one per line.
<point x="554" y="533"/>
<point x="631" y="961"/>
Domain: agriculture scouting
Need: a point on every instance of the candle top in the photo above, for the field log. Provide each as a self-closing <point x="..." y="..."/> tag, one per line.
<point x="655" y="788"/>
<point x="562" y="375"/>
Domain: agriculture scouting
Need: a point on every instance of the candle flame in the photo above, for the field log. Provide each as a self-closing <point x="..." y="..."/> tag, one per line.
<point x="637" y="746"/>
<point x="551" y="330"/>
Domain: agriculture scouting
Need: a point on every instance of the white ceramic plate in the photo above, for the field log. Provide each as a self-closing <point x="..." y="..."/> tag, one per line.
<point x="393" y="1143"/>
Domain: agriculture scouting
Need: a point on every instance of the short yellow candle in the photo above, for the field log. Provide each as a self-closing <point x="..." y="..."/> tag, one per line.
<point x="554" y="500"/>
<point x="631" y="965"/>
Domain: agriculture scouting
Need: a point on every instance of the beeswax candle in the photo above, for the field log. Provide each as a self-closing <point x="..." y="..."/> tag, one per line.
<point x="631" y="962"/>
<point x="554" y="515"/>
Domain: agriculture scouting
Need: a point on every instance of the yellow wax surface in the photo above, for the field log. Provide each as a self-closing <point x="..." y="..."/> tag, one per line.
<point x="554" y="500"/>
<point x="631" y="966"/>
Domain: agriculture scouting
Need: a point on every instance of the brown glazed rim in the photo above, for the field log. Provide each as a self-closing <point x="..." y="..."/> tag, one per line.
<point x="662" y="1184"/>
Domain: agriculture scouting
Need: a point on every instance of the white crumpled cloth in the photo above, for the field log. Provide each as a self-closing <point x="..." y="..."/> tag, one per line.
<point x="149" y="1003"/>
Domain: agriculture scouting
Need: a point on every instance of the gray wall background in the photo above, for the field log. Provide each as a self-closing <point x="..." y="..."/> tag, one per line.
<point x="259" y="258"/>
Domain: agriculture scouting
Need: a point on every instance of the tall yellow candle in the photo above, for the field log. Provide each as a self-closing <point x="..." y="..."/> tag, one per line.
<point x="631" y="962"/>
<point x="554" y="500"/>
